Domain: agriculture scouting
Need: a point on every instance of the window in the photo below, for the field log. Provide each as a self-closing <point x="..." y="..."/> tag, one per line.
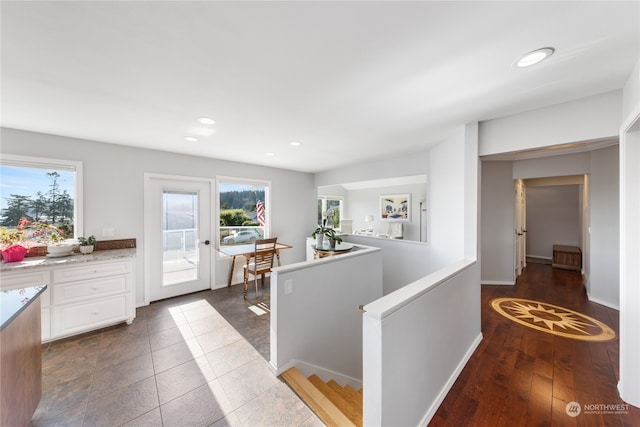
<point x="243" y="211"/>
<point x="41" y="190"/>
<point x="330" y="207"/>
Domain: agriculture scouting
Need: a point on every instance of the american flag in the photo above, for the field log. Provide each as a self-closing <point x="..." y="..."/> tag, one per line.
<point x="260" y="212"/>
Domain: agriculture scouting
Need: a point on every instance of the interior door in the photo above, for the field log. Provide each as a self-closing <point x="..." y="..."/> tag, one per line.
<point x="520" y="233"/>
<point x="178" y="218"/>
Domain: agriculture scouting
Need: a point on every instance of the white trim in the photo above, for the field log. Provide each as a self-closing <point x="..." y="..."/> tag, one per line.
<point x="242" y="181"/>
<point x="498" y="282"/>
<point x="452" y="379"/>
<point x="629" y="382"/>
<point x="148" y="176"/>
<point x="61" y="164"/>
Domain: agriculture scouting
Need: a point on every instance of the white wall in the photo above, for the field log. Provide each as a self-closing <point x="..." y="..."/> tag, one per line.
<point x="113" y="189"/>
<point x="552" y="166"/>
<point x="631" y="94"/>
<point x="497" y="226"/>
<point x="553" y="218"/>
<point x="367" y="202"/>
<point x="405" y="379"/>
<point x="404" y="165"/>
<point x="629" y="384"/>
<point x="317" y="326"/>
<point x="604" y="276"/>
<point x="403" y="261"/>
<point x="415" y="346"/>
<point x="447" y="200"/>
<point x="585" y="119"/>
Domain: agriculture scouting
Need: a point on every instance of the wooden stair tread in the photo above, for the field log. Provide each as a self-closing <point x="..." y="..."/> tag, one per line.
<point x="347" y="392"/>
<point x="352" y="409"/>
<point x="318" y="402"/>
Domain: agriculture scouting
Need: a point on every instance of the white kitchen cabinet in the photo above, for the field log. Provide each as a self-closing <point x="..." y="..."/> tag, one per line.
<point x="33" y="278"/>
<point x="81" y="295"/>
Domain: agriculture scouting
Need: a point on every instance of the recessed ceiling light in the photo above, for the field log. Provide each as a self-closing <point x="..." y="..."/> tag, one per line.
<point x="534" y="57"/>
<point x="295" y="143"/>
<point x="206" y="121"/>
<point x="191" y="138"/>
<point x="269" y="154"/>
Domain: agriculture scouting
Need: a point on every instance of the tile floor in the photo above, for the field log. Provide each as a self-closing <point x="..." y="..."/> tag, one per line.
<point x="196" y="360"/>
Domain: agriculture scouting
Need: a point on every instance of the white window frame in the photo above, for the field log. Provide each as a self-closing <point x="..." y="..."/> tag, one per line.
<point x="241" y="181"/>
<point x="61" y="164"/>
<point x="340" y="199"/>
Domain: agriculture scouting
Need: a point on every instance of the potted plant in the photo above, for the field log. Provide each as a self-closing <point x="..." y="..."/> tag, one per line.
<point x="86" y="244"/>
<point x="320" y="232"/>
<point x="333" y="238"/>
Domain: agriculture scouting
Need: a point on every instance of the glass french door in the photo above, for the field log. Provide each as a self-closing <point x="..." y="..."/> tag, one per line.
<point x="177" y="236"/>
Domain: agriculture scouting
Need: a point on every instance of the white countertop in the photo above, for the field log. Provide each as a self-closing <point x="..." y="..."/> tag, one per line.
<point x="75" y="258"/>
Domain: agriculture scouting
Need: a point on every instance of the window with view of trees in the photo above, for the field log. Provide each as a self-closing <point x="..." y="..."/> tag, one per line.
<point x="40" y="191"/>
<point x="243" y="213"/>
<point x="330" y="207"/>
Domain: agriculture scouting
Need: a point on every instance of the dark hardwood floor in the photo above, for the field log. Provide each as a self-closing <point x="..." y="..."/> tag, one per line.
<point x="519" y="376"/>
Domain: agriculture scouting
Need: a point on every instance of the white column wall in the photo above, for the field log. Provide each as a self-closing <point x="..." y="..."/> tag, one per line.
<point x="447" y="200"/>
<point x="497" y="227"/>
<point x="629" y="384"/>
<point x="604" y="228"/>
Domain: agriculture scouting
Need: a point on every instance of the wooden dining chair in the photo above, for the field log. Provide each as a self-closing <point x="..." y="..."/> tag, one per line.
<point x="261" y="262"/>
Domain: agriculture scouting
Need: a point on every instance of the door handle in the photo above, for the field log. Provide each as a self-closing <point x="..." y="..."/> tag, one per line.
<point x="206" y="242"/>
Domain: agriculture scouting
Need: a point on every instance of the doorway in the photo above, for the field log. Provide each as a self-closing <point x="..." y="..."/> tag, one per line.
<point x="554" y="212"/>
<point x="177" y="235"/>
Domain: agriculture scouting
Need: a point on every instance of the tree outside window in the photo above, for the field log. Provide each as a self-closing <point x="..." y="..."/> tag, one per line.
<point x="39" y="192"/>
<point x="242" y="211"/>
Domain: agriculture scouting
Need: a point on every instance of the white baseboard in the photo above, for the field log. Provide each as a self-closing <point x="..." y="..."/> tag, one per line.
<point x="601" y="302"/>
<point x="452" y="379"/>
<point x="539" y="256"/>
<point x="497" y="282"/>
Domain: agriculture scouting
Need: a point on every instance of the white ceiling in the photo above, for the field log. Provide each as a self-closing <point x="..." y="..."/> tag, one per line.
<point x="352" y="81"/>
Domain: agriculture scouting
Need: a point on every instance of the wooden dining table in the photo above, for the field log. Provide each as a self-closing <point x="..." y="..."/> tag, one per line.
<point x="246" y="251"/>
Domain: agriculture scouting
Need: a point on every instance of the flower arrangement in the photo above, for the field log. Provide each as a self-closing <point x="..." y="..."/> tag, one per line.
<point x="29" y="234"/>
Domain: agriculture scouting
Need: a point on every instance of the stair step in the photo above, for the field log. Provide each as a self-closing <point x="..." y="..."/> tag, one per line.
<point x="356" y="395"/>
<point x="352" y="409"/>
<point x="326" y="410"/>
<point x="348" y="393"/>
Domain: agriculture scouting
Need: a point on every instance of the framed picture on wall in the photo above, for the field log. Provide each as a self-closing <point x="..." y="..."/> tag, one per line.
<point x="395" y="207"/>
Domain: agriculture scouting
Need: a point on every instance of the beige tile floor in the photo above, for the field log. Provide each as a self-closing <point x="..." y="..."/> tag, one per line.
<point x="195" y="360"/>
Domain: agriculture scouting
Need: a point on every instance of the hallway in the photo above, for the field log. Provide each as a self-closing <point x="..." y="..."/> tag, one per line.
<point x="519" y="376"/>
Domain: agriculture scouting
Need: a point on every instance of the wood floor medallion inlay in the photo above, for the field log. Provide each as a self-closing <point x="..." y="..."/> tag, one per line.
<point x="553" y="319"/>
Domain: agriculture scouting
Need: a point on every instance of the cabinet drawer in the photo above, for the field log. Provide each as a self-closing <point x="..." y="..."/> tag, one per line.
<point x="64" y="275"/>
<point x="90" y="289"/>
<point x="73" y="318"/>
<point x="24" y="278"/>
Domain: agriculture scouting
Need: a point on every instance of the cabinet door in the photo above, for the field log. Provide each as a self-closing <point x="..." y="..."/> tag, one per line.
<point x="72" y="318"/>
